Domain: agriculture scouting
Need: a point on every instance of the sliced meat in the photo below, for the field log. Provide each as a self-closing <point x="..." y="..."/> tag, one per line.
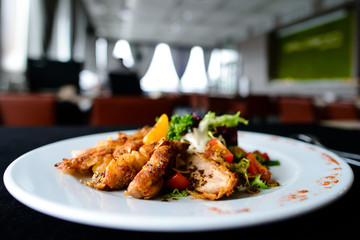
<point x="148" y="182"/>
<point x="133" y="142"/>
<point x="119" y="172"/>
<point x="83" y="160"/>
<point x="210" y="179"/>
<point x="128" y="147"/>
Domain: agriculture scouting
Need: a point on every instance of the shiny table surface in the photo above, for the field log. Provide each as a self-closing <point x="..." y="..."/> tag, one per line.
<point x="18" y="221"/>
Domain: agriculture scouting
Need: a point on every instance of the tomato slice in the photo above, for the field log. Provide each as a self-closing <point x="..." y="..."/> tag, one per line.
<point x="256" y="168"/>
<point x="264" y="155"/>
<point x="215" y="146"/>
<point x="177" y="181"/>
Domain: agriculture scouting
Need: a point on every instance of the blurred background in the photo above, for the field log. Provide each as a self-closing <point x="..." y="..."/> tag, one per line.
<point x="124" y="62"/>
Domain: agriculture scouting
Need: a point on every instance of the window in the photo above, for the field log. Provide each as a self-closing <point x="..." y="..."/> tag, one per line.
<point x="101" y="53"/>
<point x="161" y="75"/>
<point x="14" y="17"/>
<point x="214" y="71"/>
<point x="223" y="71"/>
<point x="195" y="78"/>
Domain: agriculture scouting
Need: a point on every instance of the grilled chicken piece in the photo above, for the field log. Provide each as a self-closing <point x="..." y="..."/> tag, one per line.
<point x="148" y="182"/>
<point x="119" y="172"/>
<point x="98" y="156"/>
<point x="133" y="142"/>
<point x="83" y="161"/>
<point x="210" y="179"/>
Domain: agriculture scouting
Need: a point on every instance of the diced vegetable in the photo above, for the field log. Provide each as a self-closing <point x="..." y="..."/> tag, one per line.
<point x="264" y="159"/>
<point x="177" y="181"/>
<point x="228" y="133"/>
<point x="256" y="168"/>
<point x="197" y="119"/>
<point x="238" y="152"/>
<point x="159" y="130"/>
<point x="261" y="157"/>
<point x="215" y="146"/>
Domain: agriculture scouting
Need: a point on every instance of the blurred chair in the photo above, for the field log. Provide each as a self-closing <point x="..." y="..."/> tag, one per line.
<point x="296" y="110"/>
<point x="124" y="84"/>
<point x="199" y="102"/>
<point x="341" y="111"/>
<point x="254" y="107"/>
<point x="28" y="109"/>
<point x="219" y="105"/>
<point x="258" y="106"/>
<point x="239" y="106"/>
<point x="129" y="110"/>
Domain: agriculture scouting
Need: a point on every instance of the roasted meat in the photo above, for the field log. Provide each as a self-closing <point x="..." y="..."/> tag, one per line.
<point x="133" y="142"/>
<point x="148" y="182"/>
<point x="210" y="179"/>
<point x="83" y="160"/>
<point x="119" y="172"/>
<point x="102" y="153"/>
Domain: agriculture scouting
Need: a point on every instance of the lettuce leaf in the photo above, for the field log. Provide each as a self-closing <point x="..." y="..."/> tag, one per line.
<point x="211" y="121"/>
<point x="258" y="183"/>
<point x="207" y="127"/>
<point x="179" y="126"/>
<point x="241" y="166"/>
<point x="176" y="193"/>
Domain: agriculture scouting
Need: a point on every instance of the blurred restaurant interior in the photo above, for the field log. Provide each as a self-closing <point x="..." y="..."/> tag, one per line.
<point x="124" y="62"/>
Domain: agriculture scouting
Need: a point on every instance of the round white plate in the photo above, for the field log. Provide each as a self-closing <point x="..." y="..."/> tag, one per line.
<point x="310" y="177"/>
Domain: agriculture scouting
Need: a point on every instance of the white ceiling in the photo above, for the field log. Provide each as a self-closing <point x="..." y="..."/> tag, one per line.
<point x="197" y="22"/>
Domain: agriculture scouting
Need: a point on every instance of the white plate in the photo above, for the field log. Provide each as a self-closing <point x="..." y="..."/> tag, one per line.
<point x="310" y="177"/>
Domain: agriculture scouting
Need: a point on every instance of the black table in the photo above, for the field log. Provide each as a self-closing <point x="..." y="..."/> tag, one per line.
<point x="18" y="221"/>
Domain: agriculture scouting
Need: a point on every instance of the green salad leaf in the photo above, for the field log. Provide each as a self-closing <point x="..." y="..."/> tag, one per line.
<point x="179" y="126"/>
<point x="241" y="166"/>
<point x="258" y="183"/>
<point x="176" y="193"/>
<point x="207" y="126"/>
<point x="211" y="121"/>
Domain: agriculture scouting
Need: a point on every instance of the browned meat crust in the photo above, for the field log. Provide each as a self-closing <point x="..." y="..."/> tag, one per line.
<point x="99" y="156"/>
<point x="122" y="170"/>
<point x="148" y="182"/>
<point x="119" y="172"/>
<point x="133" y="142"/>
<point x="210" y="179"/>
<point x="88" y="158"/>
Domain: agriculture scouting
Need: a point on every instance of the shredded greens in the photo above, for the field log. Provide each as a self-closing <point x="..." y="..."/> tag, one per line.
<point x="258" y="183"/>
<point x="176" y="193"/>
<point x="179" y="126"/>
<point x="241" y="166"/>
<point x="207" y="127"/>
<point x="211" y="121"/>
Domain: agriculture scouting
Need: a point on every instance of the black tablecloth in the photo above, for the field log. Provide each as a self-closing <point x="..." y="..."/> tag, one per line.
<point x="18" y="221"/>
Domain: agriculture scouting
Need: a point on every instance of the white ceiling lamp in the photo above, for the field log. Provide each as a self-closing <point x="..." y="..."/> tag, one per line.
<point x="195" y="77"/>
<point x="122" y="50"/>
